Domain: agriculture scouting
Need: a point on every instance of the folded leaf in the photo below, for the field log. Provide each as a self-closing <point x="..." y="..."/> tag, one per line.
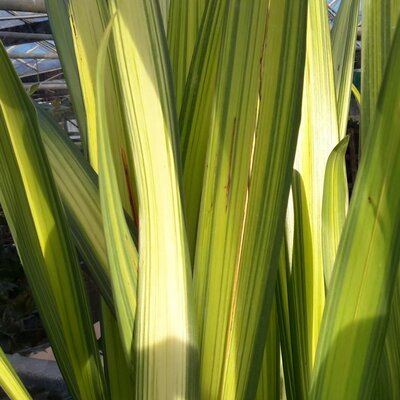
<point x="317" y="137"/>
<point x="334" y="205"/>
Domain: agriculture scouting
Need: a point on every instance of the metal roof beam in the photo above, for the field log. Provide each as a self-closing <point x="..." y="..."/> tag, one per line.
<point x="56" y="85"/>
<point x="25" y="17"/>
<point x="23" y="5"/>
<point x="29" y="56"/>
<point x="25" y="36"/>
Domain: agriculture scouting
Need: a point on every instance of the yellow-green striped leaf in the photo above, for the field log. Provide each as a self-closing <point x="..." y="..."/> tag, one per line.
<point x="86" y="22"/>
<point x="122" y="255"/>
<point x="301" y="303"/>
<point x="197" y="107"/>
<point x="165" y="11"/>
<point x="387" y="382"/>
<point x="10" y="381"/>
<point x="334" y="205"/>
<point x="282" y="306"/>
<point x="356" y="93"/>
<point x="269" y="384"/>
<point x="118" y="369"/>
<point x="38" y="225"/>
<point x="165" y="342"/>
<point x="253" y="125"/>
<point x="77" y="184"/>
<point x="317" y="137"/>
<point x="344" y="35"/>
<point x="364" y="276"/>
<point x="379" y="19"/>
<point x="379" y="22"/>
<point x="60" y="28"/>
<point x="183" y="26"/>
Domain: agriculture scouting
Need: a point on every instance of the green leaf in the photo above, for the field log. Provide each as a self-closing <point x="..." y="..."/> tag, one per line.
<point x="32" y="89"/>
<point x="118" y="370"/>
<point x="195" y="122"/>
<point x="379" y="19"/>
<point x="344" y="36"/>
<point x="183" y="27"/>
<point x="165" y="11"/>
<point x="165" y="330"/>
<point x="122" y="255"/>
<point x="85" y="21"/>
<point x="359" y="299"/>
<point x="379" y="22"/>
<point x="301" y="303"/>
<point x="77" y="184"/>
<point x="317" y="137"/>
<point x="334" y="205"/>
<point x="387" y="386"/>
<point x="253" y="126"/>
<point x="282" y="305"/>
<point x="38" y="225"/>
<point x="9" y="380"/>
<point x="356" y="93"/>
<point x="269" y="384"/>
<point x="61" y="30"/>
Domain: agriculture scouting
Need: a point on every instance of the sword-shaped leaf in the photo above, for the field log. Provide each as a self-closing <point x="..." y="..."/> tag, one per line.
<point x="121" y="250"/>
<point x="379" y="19"/>
<point x="10" y="381"/>
<point x="183" y="27"/>
<point x="85" y="21"/>
<point x="269" y="384"/>
<point x="196" y="114"/>
<point x="344" y="35"/>
<point x="61" y="30"/>
<point x="253" y="123"/>
<point x="334" y="205"/>
<point x="317" y="137"/>
<point x="165" y="331"/>
<point x="39" y="228"/>
<point x="118" y="369"/>
<point x="364" y="276"/>
<point x="77" y="184"/>
<point x="284" y="320"/>
<point x="387" y="383"/>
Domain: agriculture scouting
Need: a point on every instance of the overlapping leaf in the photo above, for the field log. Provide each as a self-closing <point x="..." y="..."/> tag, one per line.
<point x="334" y="205"/>
<point x="357" y="310"/>
<point x="78" y="188"/>
<point x="317" y="137"/>
<point x="344" y="35"/>
<point x="38" y="225"/>
<point x="122" y="254"/>
<point x="246" y="184"/>
<point x="166" y="348"/>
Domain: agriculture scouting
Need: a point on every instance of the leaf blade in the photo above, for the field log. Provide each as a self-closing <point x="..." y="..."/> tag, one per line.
<point x="39" y="229"/>
<point x="10" y="381"/>
<point x="353" y="333"/>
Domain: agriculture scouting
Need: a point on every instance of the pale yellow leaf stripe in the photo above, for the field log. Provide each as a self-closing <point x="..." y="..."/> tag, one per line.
<point x="10" y="381"/>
